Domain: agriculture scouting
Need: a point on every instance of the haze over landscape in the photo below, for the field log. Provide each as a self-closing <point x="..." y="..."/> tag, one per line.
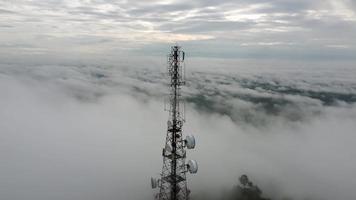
<point x="271" y="92"/>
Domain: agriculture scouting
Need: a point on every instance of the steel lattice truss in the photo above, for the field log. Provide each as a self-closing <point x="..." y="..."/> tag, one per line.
<point x="173" y="184"/>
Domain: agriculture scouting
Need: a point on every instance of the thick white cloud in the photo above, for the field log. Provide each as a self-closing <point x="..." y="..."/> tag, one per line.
<point x="96" y="132"/>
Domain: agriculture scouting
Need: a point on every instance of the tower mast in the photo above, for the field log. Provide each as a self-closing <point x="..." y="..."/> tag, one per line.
<point x="172" y="184"/>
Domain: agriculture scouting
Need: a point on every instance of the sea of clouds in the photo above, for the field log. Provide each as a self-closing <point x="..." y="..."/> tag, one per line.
<point x="95" y="131"/>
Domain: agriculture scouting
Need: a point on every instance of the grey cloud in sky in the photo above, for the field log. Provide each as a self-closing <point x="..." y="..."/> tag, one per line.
<point x="307" y="29"/>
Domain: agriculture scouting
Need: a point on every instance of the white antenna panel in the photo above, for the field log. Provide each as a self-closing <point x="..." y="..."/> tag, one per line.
<point x="192" y="166"/>
<point x="190" y="142"/>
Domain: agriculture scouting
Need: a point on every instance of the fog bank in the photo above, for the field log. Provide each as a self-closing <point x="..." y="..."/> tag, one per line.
<point x="96" y="132"/>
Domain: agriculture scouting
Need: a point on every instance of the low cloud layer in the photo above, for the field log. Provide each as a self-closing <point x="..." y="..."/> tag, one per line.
<point x="96" y="132"/>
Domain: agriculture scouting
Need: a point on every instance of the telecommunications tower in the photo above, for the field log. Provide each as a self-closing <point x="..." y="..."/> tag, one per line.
<point x="173" y="183"/>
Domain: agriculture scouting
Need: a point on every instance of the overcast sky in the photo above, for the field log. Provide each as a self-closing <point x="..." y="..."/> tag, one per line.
<point x="280" y="29"/>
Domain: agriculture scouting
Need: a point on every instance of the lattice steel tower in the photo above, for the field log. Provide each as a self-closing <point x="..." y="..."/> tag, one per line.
<point x="173" y="184"/>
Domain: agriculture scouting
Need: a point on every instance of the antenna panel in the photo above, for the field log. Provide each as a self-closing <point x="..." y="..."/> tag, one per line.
<point x="192" y="166"/>
<point x="190" y="142"/>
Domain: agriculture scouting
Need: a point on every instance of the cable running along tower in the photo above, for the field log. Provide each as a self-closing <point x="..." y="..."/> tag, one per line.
<point x="173" y="183"/>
